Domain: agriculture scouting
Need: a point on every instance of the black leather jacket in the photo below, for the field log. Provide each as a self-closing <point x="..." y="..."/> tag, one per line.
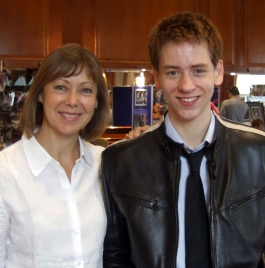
<point x="141" y="181"/>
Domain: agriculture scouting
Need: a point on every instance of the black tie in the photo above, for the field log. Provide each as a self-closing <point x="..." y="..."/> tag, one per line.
<point x="197" y="238"/>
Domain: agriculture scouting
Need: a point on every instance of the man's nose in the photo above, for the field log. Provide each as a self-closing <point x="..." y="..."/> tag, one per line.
<point x="186" y="82"/>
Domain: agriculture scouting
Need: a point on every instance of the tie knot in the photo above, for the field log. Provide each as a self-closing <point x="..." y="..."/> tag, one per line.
<point x="194" y="159"/>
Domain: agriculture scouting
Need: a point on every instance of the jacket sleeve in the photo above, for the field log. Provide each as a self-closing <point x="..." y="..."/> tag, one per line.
<point x="116" y="245"/>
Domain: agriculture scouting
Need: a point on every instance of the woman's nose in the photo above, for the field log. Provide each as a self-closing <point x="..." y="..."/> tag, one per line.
<point x="72" y="99"/>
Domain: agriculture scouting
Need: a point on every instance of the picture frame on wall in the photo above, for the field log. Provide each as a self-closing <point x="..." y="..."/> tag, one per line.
<point x="255" y="110"/>
<point x="140" y="97"/>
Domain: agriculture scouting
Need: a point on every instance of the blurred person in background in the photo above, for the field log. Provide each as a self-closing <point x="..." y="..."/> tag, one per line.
<point x="258" y="123"/>
<point x="234" y="108"/>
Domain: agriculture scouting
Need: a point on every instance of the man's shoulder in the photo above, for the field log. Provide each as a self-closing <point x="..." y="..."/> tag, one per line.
<point x="133" y="146"/>
<point x="227" y="102"/>
<point x="239" y="129"/>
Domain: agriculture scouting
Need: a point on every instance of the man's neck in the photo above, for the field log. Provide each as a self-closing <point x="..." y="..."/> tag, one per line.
<point x="235" y="97"/>
<point x="193" y="131"/>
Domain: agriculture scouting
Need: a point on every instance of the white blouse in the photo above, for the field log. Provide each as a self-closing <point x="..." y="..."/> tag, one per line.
<point x="44" y="220"/>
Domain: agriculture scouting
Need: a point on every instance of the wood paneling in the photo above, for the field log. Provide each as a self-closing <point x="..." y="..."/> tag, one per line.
<point x="89" y="24"/>
<point x="54" y="25"/>
<point x="229" y="80"/>
<point x="23" y="29"/>
<point x="71" y="22"/>
<point x="222" y="16"/>
<point x="117" y="30"/>
<point x="123" y="27"/>
<point x="255" y="35"/>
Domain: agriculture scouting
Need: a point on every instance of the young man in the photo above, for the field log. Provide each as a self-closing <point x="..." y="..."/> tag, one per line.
<point x="155" y="218"/>
<point x="234" y="108"/>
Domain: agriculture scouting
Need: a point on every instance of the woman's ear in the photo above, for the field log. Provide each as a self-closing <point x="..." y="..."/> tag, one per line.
<point x="40" y="97"/>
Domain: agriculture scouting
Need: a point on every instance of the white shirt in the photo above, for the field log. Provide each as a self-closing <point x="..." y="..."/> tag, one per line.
<point x="172" y="133"/>
<point x="44" y="220"/>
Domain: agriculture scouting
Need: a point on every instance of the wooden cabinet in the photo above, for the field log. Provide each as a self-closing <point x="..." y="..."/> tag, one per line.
<point x="241" y="24"/>
<point x="70" y="22"/>
<point x="23" y="29"/>
<point x="123" y="29"/>
<point x="117" y="30"/>
<point x="32" y="29"/>
<point x="255" y="33"/>
<point x="229" y="17"/>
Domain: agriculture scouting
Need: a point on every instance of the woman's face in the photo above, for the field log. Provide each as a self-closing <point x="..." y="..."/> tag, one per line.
<point x="69" y="104"/>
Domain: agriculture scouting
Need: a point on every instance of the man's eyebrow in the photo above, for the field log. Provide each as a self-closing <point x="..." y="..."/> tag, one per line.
<point x="199" y="65"/>
<point x="170" y="67"/>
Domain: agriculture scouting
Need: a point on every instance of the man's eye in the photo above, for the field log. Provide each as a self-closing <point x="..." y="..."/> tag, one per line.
<point x="172" y="73"/>
<point x="199" y="71"/>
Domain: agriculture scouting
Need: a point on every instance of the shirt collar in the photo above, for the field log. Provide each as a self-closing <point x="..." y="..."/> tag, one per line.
<point x="173" y="134"/>
<point x="85" y="152"/>
<point x="38" y="158"/>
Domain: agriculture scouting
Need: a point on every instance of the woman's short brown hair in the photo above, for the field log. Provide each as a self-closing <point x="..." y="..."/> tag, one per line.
<point x="184" y="27"/>
<point x="66" y="61"/>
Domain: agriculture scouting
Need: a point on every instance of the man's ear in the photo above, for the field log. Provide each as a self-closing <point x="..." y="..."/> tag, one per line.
<point x="156" y="77"/>
<point x="219" y="73"/>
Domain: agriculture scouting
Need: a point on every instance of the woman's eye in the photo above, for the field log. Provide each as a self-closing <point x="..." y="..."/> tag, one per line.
<point x="87" y="91"/>
<point x="60" y="87"/>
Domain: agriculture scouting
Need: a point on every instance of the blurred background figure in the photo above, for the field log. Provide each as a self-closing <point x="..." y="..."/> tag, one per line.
<point x="4" y="81"/>
<point x="234" y="108"/>
<point x="258" y="123"/>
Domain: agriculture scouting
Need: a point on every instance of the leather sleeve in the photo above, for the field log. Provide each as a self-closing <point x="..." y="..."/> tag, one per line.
<point x="116" y="251"/>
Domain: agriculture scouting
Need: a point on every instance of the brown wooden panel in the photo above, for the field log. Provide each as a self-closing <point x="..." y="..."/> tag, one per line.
<point x="229" y="80"/>
<point x="71" y="22"/>
<point x="23" y="64"/>
<point x="89" y="24"/>
<point x="54" y="25"/>
<point x="23" y="29"/>
<point x="123" y="26"/>
<point x="239" y="33"/>
<point x="255" y="36"/>
<point x="222" y="14"/>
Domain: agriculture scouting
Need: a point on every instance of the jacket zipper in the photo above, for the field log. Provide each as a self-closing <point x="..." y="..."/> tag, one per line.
<point x="211" y="167"/>
<point x="178" y="167"/>
<point x="145" y="202"/>
<point x="253" y="196"/>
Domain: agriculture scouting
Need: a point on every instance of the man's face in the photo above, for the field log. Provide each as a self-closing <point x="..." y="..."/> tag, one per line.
<point x="187" y="77"/>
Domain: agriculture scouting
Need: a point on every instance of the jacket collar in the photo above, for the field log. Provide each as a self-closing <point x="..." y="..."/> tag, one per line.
<point x="173" y="149"/>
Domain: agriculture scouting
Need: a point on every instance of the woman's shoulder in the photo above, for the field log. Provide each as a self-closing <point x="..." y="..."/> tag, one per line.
<point x="92" y="148"/>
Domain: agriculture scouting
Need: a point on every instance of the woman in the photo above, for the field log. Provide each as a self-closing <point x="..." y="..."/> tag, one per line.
<point x="51" y="207"/>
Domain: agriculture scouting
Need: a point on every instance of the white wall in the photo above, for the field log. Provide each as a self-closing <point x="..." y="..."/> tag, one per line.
<point x="245" y="81"/>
